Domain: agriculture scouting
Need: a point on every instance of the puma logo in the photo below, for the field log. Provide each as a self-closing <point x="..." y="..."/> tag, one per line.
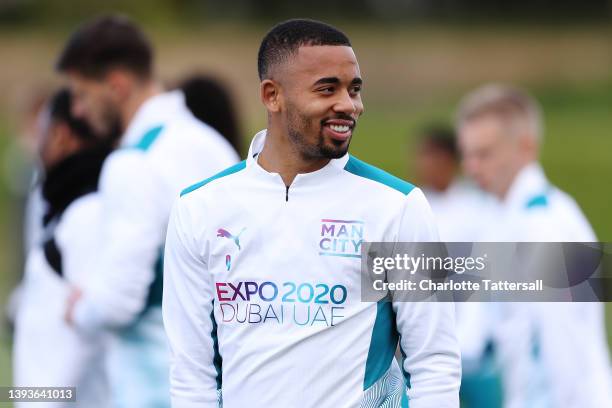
<point x="226" y="234"/>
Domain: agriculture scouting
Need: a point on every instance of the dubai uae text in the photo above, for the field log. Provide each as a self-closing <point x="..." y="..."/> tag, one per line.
<point x="450" y="285"/>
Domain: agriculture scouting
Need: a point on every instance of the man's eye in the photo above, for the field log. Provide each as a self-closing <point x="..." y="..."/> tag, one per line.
<point x="356" y="89"/>
<point x="327" y="90"/>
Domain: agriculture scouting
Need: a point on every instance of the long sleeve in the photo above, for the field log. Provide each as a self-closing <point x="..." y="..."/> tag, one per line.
<point x="195" y="367"/>
<point x="582" y="377"/>
<point x="132" y="240"/>
<point x="431" y="361"/>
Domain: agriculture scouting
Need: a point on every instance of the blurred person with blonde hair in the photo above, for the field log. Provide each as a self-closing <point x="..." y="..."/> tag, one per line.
<point x="108" y="62"/>
<point x="551" y="354"/>
<point x="47" y="351"/>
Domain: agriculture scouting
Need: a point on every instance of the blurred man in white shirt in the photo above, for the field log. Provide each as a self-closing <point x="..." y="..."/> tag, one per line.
<point x="109" y="64"/>
<point x="552" y="354"/>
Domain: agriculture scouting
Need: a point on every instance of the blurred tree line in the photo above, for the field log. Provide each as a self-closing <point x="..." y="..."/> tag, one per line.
<point x="52" y="12"/>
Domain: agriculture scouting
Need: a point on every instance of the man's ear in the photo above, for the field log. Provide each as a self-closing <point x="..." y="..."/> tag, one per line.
<point x="529" y="145"/>
<point x="270" y="94"/>
<point x="59" y="143"/>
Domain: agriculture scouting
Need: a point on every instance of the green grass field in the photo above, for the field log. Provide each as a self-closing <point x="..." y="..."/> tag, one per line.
<point x="419" y="80"/>
<point x="576" y="151"/>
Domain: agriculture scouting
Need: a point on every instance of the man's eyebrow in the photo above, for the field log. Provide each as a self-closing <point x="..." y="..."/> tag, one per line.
<point x="327" y="80"/>
<point x="335" y="80"/>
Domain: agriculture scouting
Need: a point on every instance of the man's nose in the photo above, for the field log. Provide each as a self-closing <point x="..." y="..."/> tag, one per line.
<point x="473" y="167"/>
<point x="347" y="104"/>
<point x="77" y="108"/>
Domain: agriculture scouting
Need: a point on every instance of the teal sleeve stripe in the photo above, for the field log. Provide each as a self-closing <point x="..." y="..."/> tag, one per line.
<point x="538" y="201"/>
<point x="402" y="366"/>
<point x="231" y="170"/>
<point x="404" y="402"/>
<point x="362" y="169"/>
<point x="156" y="289"/>
<point x="383" y="344"/>
<point x="217" y="361"/>
<point x="147" y="140"/>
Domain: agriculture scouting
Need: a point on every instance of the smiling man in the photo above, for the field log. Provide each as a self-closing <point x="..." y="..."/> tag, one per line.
<point x="262" y="285"/>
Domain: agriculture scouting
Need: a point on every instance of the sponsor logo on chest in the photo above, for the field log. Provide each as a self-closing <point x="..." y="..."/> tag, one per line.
<point x="341" y="238"/>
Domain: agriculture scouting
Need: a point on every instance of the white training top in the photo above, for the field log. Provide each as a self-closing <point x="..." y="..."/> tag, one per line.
<point x="262" y="293"/>
<point x="461" y="211"/>
<point x="570" y="349"/>
<point x="164" y="148"/>
<point x="47" y="351"/>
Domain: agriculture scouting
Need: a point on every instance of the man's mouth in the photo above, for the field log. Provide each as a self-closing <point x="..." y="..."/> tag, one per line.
<point x="339" y="129"/>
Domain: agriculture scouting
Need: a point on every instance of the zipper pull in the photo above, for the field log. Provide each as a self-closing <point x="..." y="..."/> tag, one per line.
<point x="286" y="193"/>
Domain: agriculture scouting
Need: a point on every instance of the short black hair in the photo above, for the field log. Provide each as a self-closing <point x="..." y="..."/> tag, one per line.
<point x="284" y="39"/>
<point x="442" y="137"/>
<point x="106" y="43"/>
<point x="59" y="107"/>
<point x="210" y="101"/>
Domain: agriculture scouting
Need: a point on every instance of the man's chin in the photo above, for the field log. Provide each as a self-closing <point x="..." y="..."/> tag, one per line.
<point x="108" y="130"/>
<point x="487" y="187"/>
<point x="335" y="149"/>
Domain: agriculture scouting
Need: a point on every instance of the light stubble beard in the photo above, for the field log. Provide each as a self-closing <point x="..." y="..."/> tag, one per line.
<point x="320" y="150"/>
<point x="113" y="129"/>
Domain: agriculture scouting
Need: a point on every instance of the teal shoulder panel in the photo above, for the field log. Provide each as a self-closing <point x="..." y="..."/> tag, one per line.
<point x="362" y="169"/>
<point x="230" y="170"/>
<point x="147" y="140"/>
<point x="541" y="200"/>
<point x="382" y="345"/>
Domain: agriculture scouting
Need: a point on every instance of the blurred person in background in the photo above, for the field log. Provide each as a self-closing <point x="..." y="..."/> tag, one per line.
<point x="47" y="351"/>
<point x="455" y="201"/>
<point x="20" y="157"/>
<point x="210" y="101"/>
<point x="22" y="175"/>
<point x="460" y="210"/>
<point x="551" y="354"/>
<point x="163" y="148"/>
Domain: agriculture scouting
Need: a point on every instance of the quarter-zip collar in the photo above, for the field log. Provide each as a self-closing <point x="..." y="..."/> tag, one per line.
<point x="302" y="179"/>
<point x="529" y="182"/>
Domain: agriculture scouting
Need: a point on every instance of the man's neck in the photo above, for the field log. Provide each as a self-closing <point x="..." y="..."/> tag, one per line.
<point x="444" y="185"/>
<point x="139" y="96"/>
<point x="503" y="195"/>
<point x="280" y="155"/>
